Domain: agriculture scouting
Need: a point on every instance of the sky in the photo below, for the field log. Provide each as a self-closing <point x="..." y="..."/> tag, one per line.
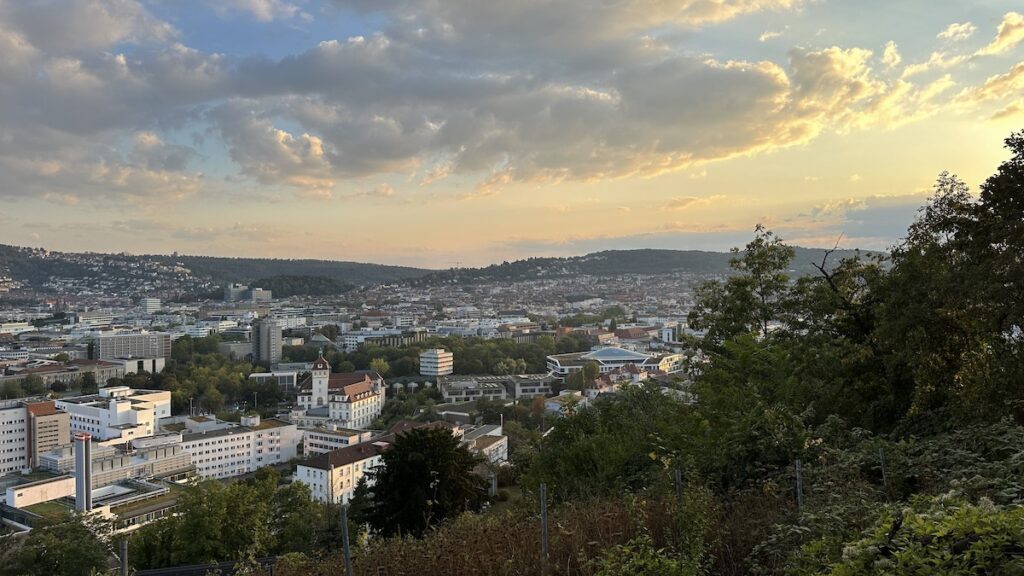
<point x="440" y="133"/>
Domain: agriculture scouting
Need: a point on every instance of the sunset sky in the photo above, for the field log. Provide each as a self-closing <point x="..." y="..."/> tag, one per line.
<point x="436" y="132"/>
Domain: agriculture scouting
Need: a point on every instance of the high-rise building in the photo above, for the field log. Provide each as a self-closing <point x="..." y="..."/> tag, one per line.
<point x="266" y="342"/>
<point x="47" y="428"/>
<point x="436" y="362"/>
<point x="150" y="305"/>
<point x="135" y="345"/>
<point x="13" y="437"/>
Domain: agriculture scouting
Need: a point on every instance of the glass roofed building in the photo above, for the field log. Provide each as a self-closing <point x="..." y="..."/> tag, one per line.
<point x="612" y="358"/>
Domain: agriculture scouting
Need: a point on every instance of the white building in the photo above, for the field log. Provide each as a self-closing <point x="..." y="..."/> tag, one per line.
<point x="117" y="414"/>
<point x="150" y="305"/>
<point x="436" y="362"/>
<point x="332" y="477"/>
<point x="322" y="440"/>
<point x="135" y="345"/>
<point x="13" y="437"/>
<point x="347" y="400"/>
<point x="611" y="358"/>
<point x="136" y="365"/>
<point x="222" y="450"/>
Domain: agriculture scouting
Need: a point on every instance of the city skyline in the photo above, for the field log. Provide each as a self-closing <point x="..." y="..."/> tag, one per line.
<point x="434" y="133"/>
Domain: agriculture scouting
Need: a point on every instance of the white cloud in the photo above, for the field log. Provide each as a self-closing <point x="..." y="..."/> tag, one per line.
<point x="1009" y="36"/>
<point x="956" y="32"/>
<point x="262" y="10"/>
<point x="891" y="55"/>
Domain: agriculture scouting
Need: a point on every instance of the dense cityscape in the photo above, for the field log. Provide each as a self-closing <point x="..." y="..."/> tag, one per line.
<point x="511" y="288"/>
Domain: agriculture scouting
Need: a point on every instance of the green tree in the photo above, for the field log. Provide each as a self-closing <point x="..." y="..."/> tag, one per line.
<point x="67" y="547"/>
<point x="88" y="383"/>
<point x="380" y="366"/>
<point x="425" y="477"/>
<point x="33" y="385"/>
<point x="63" y="358"/>
<point x="751" y="299"/>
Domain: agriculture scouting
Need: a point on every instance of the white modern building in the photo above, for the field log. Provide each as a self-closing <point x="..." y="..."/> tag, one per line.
<point x="611" y="358"/>
<point x="469" y="388"/>
<point x="222" y="450"/>
<point x="347" y="400"/>
<point x="150" y="305"/>
<point x="436" y="362"/>
<point x="136" y="365"/>
<point x="13" y="437"/>
<point x="134" y="345"/>
<point x="117" y="414"/>
<point x="322" y="440"/>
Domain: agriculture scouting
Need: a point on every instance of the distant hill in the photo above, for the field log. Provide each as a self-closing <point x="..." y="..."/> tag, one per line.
<point x="135" y="275"/>
<point x="615" y="262"/>
<point x="253" y="269"/>
<point x="131" y="275"/>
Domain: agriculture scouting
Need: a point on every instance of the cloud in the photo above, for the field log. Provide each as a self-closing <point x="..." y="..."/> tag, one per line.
<point x="493" y="94"/>
<point x="957" y="32"/>
<point x="1009" y="36"/>
<point x="1012" y="110"/>
<point x="891" y="55"/>
<point x="995" y="87"/>
<point x="262" y="10"/>
<point x="683" y="203"/>
<point x="272" y="155"/>
<point x="769" y="35"/>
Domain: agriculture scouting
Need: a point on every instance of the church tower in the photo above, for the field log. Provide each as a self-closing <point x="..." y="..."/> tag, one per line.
<point x="321" y="377"/>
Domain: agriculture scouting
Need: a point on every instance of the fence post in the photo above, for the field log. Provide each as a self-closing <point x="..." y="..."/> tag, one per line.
<point x="885" y="476"/>
<point x="544" y="528"/>
<point x="124" y="556"/>
<point x="799" y="486"/>
<point x="344" y="540"/>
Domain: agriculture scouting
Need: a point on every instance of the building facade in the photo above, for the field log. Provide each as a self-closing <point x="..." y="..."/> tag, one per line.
<point x="117" y="413"/>
<point x="351" y="400"/>
<point x="224" y="450"/>
<point x="266" y="342"/>
<point x="13" y="437"/>
<point x="136" y="345"/>
<point x="436" y="362"/>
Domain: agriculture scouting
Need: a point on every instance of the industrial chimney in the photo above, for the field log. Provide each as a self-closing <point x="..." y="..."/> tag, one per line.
<point x="83" y="471"/>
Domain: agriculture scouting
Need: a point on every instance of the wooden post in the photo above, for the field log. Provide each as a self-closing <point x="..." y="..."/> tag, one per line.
<point x="799" y="486"/>
<point x="124" y="556"/>
<point x="344" y="540"/>
<point x="544" y="528"/>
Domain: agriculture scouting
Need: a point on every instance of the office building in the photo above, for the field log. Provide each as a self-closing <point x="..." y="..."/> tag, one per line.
<point x="47" y="428"/>
<point x="13" y="437"/>
<point x="323" y="440"/>
<point x="436" y="362"/>
<point x="266" y="342"/>
<point x="135" y="345"/>
<point x="222" y="450"/>
<point x="469" y="388"/>
<point x="117" y="414"/>
<point x="150" y="305"/>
